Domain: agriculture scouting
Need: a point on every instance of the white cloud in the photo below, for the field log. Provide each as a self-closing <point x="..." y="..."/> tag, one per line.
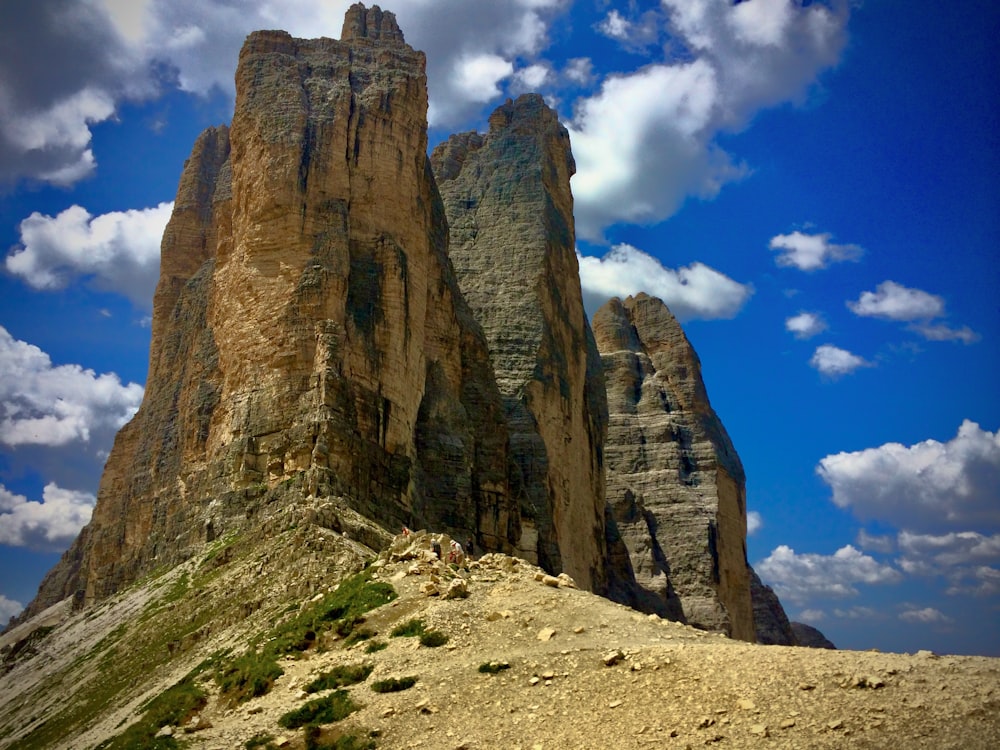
<point x="694" y="291"/>
<point x="956" y="548"/>
<point x="49" y="525"/>
<point x="805" y="325"/>
<point x="117" y="251"/>
<point x="66" y="65"/>
<point x="800" y="577"/>
<point x="9" y="608"/>
<point x="942" y="332"/>
<point x="981" y="580"/>
<point x="477" y="77"/>
<point x="858" y="613"/>
<point x="646" y="140"/>
<point x="925" y="486"/>
<point x="927" y="615"/>
<point x="811" y="252"/>
<point x="579" y="70"/>
<point x="532" y="78"/>
<point x="50" y="405"/>
<point x="754" y="522"/>
<point x="634" y="35"/>
<point x="811" y="615"/>
<point x="892" y="301"/>
<point x="833" y="361"/>
<point x="876" y="543"/>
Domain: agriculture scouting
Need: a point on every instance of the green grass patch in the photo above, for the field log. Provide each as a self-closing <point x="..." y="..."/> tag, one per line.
<point x="325" y="710"/>
<point x="394" y="685"/>
<point x="409" y="629"/>
<point x="433" y="638"/>
<point x="341" y="611"/>
<point x="340" y="676"/>
<point x="260" y="742"/>
<point x="493" y="667"/>
<point x="248" y="676"/>
<point x="173" y="707"/>
<point x="315" y="741"/>
<point x="375" y="646"/>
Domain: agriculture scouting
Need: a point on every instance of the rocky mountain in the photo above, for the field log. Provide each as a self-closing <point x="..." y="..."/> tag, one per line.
<point x="349" y="334"/>
<point x="675" y="486"/>
<point x="510" y="212"/>
<point x="807" y="635"/>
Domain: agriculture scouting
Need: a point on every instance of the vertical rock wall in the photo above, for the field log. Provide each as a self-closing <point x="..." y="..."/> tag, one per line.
<point x="510" y="212"/>
<point x="675" y="485"/>
<point x="309" y="335"/>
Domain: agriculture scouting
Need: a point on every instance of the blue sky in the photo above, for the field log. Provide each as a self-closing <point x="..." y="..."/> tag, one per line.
<point x="812" y="187"/>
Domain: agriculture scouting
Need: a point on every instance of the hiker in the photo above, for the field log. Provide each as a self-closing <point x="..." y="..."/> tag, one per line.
<point x="456" y="554"/>
<point x="436" y="548"/>
<point x="406" y="532"/>
<point x="470" y="548"/>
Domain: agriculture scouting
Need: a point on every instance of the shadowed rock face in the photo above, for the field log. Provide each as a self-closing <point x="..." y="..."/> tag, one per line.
<point x="770" y="621"/>
<point x="675" y="486"/>
<point x="807" y="635"/>
<point x="309" y="336"/>
<point x="510" y="211"/>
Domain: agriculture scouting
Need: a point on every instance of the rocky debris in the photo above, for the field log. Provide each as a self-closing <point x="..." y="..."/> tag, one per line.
<point x="510" y="213"/>
<point x="692" y="688"/>
<point x="807" y="635"/>
<point x="675" y="486"/>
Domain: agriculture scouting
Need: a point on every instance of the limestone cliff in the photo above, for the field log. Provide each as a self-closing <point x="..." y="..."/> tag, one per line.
<point x="770" y="621"/>
<point x="675" y="486"/>
<point x="310" y="343"/>
<point x="510" y="212"/>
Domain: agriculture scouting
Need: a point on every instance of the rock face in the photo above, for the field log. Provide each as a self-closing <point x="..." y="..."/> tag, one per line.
<point x="770" y="621"/>
<point x="510" y="211"/>
<point x="675" y="486"/>
<point x="309" y="336"/>
<point x="807" y="635"/>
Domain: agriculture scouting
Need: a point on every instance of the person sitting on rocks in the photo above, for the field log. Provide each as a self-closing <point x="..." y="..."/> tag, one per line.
<point x="436" y="548"/>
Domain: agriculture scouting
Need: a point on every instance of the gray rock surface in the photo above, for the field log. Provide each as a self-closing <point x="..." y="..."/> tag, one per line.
<point x="510" y="211"/>
<point x="807" y="635"/>
<point x="675" y="486"/>
<point x="770" y="621"/>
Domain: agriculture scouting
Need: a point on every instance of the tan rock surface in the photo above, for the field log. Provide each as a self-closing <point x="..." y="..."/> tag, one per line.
<point x="675" y="485"/>
<point x="510" y="211"/>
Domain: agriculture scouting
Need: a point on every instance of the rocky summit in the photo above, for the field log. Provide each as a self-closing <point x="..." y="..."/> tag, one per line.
<point x="350" y="337"/>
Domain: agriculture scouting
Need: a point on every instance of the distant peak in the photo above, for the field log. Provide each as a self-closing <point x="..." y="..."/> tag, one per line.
<point x="370" y="23"/>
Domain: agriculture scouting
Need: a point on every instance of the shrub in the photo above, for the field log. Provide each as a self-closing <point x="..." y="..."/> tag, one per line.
<point x="173" y="706"/>
<point x="263" y="741"/>
<point x="393" y="685"/>
<point x="408" y="629"/>
<point x="325" y="710"/>
<point x="433" y="638"/>
<point x="340" y="676"/>
<point x="314" y="741"/>
<point x="492" y="667"/>
<point x="374" y="646"/>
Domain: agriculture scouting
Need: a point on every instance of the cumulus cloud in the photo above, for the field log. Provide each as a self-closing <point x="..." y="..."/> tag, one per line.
<point x="834" y="362"/>
<point x="634" y="33"/>
<point x="892" y="301"/>
<point x="46" y="526"/>
<point x="45" y="404"/>
<point x="646" y="140"/>
<point x="66" y="65"/>
<point x="754" y="522"/>
<point x="925" y="486"/>
<point x="875" y="542"/>
<point x="927" y="616"/>
<point x="942" y="332"/>
<point x="9" y="608"/>
<point x="964" y="558"/>
<point x="694" y="291"/>
<point x="805" y="325"/>
<point x="800" y="577"/>
<point x="811" y="252"/>
<point x="579" y="70"/>
<point x="117" y="251"/>
<point x="811" y="615"/>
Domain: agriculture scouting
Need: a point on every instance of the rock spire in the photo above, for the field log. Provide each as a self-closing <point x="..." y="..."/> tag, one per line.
<point x="675" y="486"/>
<point x="510" y="210"/>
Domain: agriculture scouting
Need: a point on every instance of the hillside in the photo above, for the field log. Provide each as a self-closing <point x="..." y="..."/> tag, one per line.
<point x="583" y="672"/>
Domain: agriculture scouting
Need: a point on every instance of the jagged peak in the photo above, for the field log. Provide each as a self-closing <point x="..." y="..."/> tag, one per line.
<point x="370" y="23"/>
<point x="527" y="111"/>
